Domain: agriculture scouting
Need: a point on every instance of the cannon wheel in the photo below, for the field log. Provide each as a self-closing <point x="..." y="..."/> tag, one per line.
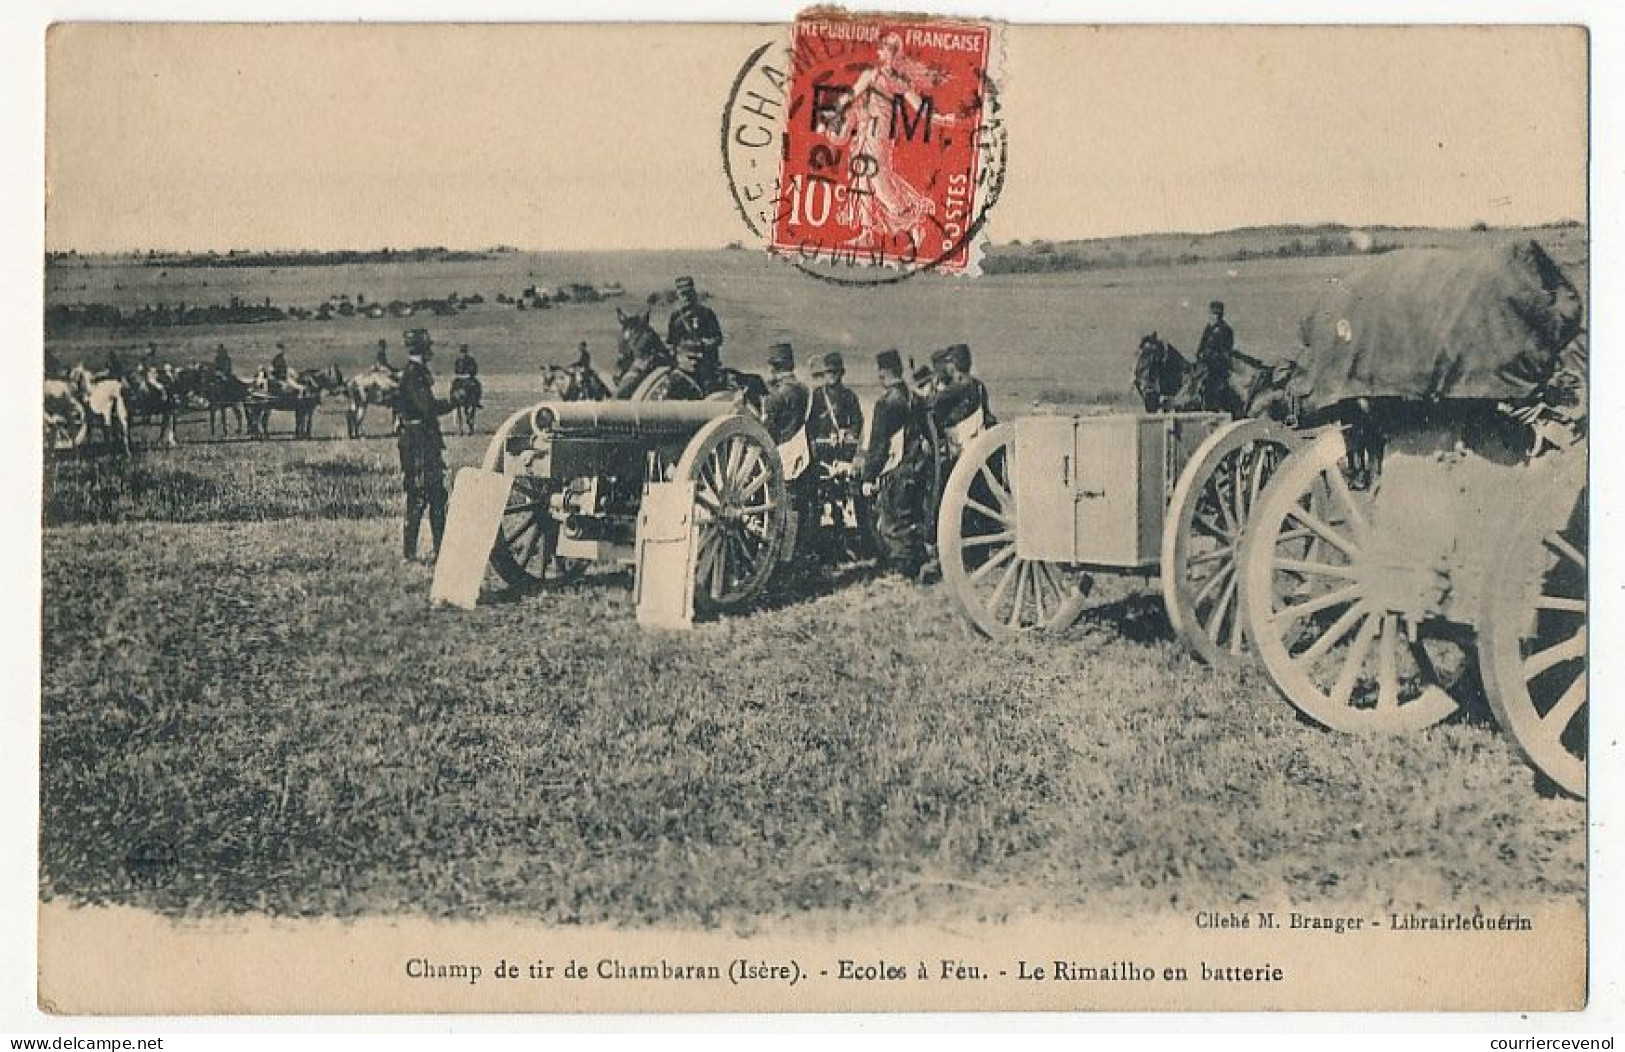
<point x="1205" y="530"/>
<point x="1341" y="659"/>
<point x="1533" y="636"/>
<point x="1002" y="594"/>
<point x="528" y="536"/>
<point x="664" y="384"/>
<point x="741" y="510"/>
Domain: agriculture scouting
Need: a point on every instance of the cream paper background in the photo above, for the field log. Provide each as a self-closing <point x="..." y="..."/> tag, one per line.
<point x="117" y="961"/>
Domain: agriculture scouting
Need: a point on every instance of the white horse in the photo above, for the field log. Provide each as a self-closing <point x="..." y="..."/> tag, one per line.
<point x="66" y="421"/>
<point x="104" y="401"/>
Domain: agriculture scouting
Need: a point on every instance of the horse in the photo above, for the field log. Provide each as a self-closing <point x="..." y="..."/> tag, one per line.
<point x="574" y="383"/>
<point x="66" y="419"/>
<point x="103" y="399"/>
<point x="465" y="401"/>
<point x="1160" y="374"/>
<point x="376" y="386"/>
<point x="299" y="396"/>
<point x="149" y="399"/>
<point x="224" y="395"/>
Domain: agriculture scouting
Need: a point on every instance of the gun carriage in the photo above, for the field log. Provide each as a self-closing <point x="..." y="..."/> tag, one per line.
<point x="578" y="475"/>
<point x="1433" y="545"/>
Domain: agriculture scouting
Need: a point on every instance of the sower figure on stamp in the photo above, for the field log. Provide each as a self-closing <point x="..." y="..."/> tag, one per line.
<point x="423" y="465"/>
<point x="893" y="468"/>
<point x="695" y="336"/>
<point x="835" y="430"/>
<point x="784" y="414"/>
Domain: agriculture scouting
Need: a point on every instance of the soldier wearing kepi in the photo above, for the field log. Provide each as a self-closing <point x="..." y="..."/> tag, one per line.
<point x="835" y="430"/>
<point x="784" y="414"/>
<point x="960" y="404"/>
<point x="1210" y="379"/>
<point x="423" y="465"/>
<point x="893" y="466"/>
<point x="695" y="336"/>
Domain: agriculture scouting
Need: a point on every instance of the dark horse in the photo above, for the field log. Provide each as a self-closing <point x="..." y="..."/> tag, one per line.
<point x="299" y="396"/>
<point x="1160" y="373"/>
<point x="465" y="399"/>
<point x="647" y="370"/>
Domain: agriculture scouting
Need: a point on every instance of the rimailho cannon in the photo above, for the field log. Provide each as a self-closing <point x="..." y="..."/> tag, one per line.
<point x="585" y="483"/>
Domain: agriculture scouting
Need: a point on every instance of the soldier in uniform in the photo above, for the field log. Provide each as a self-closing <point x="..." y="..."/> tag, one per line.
<point x="222" y="363"/>
<point x="279" y="369"/>
<point x="420" y="444"/>
<point x="466" y="374"/>
<point x="590" y="386"/>
<point x="380" y="360"/>
<point x="960" y="404"/>
<point x="893" y="468"/>
<point x="1210" y="377"/>
<point x="784" y="414"/>
<point x="695" y="336"/>
<point x="835" y="429"/>
<point x="115" y="365"/>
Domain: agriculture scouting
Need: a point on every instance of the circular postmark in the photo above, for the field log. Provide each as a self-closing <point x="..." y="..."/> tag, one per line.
<point x="867" y="152"/>
<point x="151" y="863"/>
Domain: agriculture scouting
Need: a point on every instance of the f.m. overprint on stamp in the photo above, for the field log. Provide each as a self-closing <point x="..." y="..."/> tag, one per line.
<point x="890" y="146"/>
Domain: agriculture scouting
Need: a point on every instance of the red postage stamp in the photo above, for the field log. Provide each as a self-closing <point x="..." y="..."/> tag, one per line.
<point x="891" y="153"/>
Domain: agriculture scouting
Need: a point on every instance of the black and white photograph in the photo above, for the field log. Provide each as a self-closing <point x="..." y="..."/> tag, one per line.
<point x="866" y="511"/>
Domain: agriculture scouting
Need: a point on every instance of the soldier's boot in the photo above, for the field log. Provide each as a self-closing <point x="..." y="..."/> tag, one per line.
<point x="412" y="526"/>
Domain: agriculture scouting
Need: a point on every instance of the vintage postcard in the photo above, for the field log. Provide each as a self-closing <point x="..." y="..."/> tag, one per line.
<point x="869" y="512"/>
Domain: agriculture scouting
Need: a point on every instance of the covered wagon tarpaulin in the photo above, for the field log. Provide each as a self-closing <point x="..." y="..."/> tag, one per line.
<point x="1440" y="323"/>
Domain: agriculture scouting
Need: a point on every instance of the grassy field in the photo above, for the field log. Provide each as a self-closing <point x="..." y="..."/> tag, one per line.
<point x="238" y="667"/>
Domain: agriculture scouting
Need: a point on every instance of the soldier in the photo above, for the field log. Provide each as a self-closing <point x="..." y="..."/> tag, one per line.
<point x="590" y="387"/>
<point x="466" y="374"/>
<point x="784" y="414"/>
<point x="115" y="365"/>
<point x="222" y="363"/>
<point x="279" y="369"/>
<point x="892" y="468"/>
<point x="960" y="405"/>
<point x="380" y="360"/>
<point x="1210" y="377"/>
<point x="695" y="336"/>
<point x="423" y="466"/>
<point x="835" y="429"/>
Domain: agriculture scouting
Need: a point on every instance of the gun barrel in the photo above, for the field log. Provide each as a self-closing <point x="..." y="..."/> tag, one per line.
<point x="662" y="419"/>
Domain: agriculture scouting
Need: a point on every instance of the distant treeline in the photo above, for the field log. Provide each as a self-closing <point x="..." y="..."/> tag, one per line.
<point x="302" y="258"/>
<point x="1042" y="257"/>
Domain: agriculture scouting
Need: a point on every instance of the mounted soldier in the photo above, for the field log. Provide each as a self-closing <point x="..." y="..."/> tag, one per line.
<point x="280" y="376"/>
<point x="466" y="375"/>
<point x="380" y="360"/>
<point x="222" y="363"/>
<point x="421" y="446"/>
<point x="1209" y="381"/>
<point x="695" y="336"/>
<point x="589" y="386"/>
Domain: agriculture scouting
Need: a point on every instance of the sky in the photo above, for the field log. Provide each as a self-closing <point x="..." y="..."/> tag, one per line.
<point x="558" y="137"/>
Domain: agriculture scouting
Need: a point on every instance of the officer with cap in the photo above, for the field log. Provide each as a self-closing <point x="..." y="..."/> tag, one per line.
<point x="1210" y="380"/>
<point x="960" y="404"/>
<point x="784" y="414"/>
<point x="695" y="335"/>
<point x="421" y="446"/>
<point x="892" y="468"/>
<point x="835" y="429"/>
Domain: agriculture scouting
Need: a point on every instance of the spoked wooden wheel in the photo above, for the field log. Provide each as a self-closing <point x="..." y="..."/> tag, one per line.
<point x="741" y="510"/>
<point x="1533" y="638"/>
<point x="1003" y="594"/>
<point x="1314" y="595"/>
<point x="1204" y="532"/>
<point x="666" y="384"/>
<point x="528" y="536"/>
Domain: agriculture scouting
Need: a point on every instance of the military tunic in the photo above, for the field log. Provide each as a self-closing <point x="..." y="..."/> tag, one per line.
<point x="423" y="465"/>
<point x="900" y="498"/>
<point x="1210" y="375"/>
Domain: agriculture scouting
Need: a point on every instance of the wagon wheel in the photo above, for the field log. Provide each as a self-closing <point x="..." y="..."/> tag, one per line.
<point x="1003" y="594"/>
<point x="1337" y="652"/>
<point x="528" y="536"/>
<point x="741" y="510"/>
<point x="666" y="383"/>
<point x="1533" y="636"/>
<point x="1205" y="529"/>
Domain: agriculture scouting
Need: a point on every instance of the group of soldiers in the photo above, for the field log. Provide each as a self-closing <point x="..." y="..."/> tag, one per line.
<point x="888" y="469"/>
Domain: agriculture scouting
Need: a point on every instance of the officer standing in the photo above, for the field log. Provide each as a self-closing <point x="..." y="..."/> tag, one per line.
<point x="784" y="414"/>
<point x="695" y="335"/>
<point x="960" y="404"/>
<point x="835" y="430"/>
<point x="420" y="444"/>
<point x="892" y="469"/>
<point x="1211" y="382"/>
